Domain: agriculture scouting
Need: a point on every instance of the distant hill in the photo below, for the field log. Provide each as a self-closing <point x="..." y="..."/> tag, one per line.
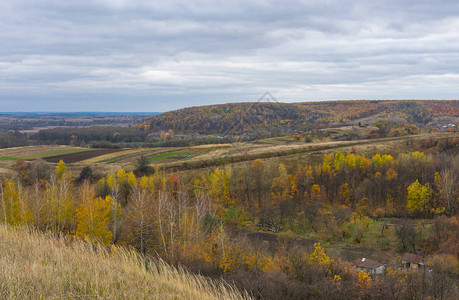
<point x="250" y="117"/>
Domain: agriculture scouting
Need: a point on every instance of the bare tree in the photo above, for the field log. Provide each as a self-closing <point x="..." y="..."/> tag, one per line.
<point x="139" y="214"/>
<point x="2" y="194"/>
<point x="38" y="205"/>
<point x="447" y="182"/>
<point x="160" y="209"/>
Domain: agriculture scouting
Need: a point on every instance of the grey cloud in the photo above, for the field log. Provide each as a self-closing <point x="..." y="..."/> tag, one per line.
<point x="171" y="54"/>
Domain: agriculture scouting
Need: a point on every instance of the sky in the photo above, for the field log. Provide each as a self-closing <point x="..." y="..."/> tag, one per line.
<point x="128" y="55"/>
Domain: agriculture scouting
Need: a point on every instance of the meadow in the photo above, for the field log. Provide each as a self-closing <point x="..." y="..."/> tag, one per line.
<point x="48" y="268"/>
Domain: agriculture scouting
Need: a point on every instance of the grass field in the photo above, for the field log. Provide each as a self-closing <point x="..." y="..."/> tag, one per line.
<point x="165" y="155"/>
<point x="117" y="157"/>
<point x="35" y="152"/>
<point x="36" y="266"/>
<point x="55" y="153"/>
<point x="8" y="158"/>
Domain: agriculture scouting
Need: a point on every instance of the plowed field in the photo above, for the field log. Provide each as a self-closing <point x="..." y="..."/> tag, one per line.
<point x="77" y="157"/>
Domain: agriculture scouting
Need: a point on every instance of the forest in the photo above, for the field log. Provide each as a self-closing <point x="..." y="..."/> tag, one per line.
<point x="270" y="228"/>
<point x="273" y="118"/>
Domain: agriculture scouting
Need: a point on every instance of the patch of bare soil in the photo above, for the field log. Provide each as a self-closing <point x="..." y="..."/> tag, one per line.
<point x="80" y="156"/>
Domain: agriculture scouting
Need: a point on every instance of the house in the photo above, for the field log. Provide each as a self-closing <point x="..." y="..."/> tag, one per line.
<point x="412" y="261"/>
<point x="370" y="266"/>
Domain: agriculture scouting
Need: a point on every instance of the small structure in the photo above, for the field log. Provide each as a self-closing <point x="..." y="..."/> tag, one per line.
<point x="412" y="261"/>
<point x="370" y="266"/>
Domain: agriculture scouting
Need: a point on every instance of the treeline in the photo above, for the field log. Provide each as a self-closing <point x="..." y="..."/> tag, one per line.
<point x="12" y="139"/>
<point x="196" y="221"/>
<point x="276" y="118"/>
<point x="100" y="137"/>
<point x="87" y="135"/>
<point x="29" y="121"/>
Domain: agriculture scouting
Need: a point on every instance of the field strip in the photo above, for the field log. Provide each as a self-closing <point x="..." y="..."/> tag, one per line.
<point x="128" y="158"/>
<point x="108" y="156"/>
<point x="15" y="151"/>
<point x="164" y="155"/>
<point x="78" y="156"/>
<point x="152" y="154"/>
<point x="212" y="146"/>
<point x="35" y="152"/>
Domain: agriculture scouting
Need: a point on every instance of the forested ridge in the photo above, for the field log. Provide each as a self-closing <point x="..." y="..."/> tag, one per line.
<point x="229" y="118"/>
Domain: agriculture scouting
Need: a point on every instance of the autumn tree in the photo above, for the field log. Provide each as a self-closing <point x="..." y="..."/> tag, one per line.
<point x="258" y="167"/>
<point x="59" y="195"/>
<point x="93" y="215"/>
<point x="119" y="187"/>
<point x="139" y="216"/>
<point x="444" y="276"/>
<point x="13" y="204"/>
<point x="280" y="186"/>
<point x="37" y="204"/>
<point x="219" y="186"/>
<point x="407" y="235"/>
<point x="446" y="181"/>
<point x="315" y="192"/>
<point x="419" y="198"/>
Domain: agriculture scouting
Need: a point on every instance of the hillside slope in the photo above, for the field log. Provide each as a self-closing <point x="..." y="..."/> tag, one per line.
<point x="36" y="266"/>
<point x="272" y="117"/>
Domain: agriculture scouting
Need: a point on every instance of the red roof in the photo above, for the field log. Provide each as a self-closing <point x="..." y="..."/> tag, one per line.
<point x="411" y="258"/>
<point x="366" y="263"/>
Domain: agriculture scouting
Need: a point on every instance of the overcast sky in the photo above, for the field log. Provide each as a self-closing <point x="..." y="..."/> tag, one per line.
<point x="126" y="55"/>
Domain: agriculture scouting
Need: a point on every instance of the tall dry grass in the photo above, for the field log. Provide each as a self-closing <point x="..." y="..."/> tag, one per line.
<point x="36" y="266"/>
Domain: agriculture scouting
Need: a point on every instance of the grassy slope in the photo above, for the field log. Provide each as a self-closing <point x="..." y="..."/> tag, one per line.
<point x="33" y="265"/>
<point x="164" y="155"/>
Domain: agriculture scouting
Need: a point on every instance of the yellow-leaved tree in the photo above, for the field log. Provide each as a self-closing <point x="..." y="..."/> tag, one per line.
<point x="319" y="256"/>
<point x="13" y="207"/>
<point x="93" y="216"/>
<point x="419" y="198"/>
<point x="59" y="199"/>
<point x="219" y="186"/>
<point x="280" y="186"/>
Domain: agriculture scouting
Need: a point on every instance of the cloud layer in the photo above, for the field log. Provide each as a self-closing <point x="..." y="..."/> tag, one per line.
<point x="118" y="55"/>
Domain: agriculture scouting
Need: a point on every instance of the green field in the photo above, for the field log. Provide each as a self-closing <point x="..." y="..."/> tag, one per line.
<point x="161" y="156"/>
<point x="8" y="158"/>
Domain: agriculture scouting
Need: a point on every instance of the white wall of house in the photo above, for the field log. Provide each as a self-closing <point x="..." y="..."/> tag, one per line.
<point x="380" y="270"/>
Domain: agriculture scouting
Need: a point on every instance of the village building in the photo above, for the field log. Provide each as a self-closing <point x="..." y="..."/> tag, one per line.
<point x="412" y="261"/>
<point x="370" y="266"/>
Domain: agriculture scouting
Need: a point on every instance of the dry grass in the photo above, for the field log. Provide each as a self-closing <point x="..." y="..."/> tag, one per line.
<point x="126" y="156"/>
<point x="110" y="156"/>
<point x="212" y="146"/>
<point x="36" y="266"/>
<point x="34" y="150"/>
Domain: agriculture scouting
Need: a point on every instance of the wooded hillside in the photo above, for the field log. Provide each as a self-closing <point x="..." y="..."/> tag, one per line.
<point x="247" y="117"/>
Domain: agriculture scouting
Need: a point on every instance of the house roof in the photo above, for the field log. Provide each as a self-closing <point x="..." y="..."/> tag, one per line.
<point x="411" y="258"/>
<point x="366" y="263"/>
